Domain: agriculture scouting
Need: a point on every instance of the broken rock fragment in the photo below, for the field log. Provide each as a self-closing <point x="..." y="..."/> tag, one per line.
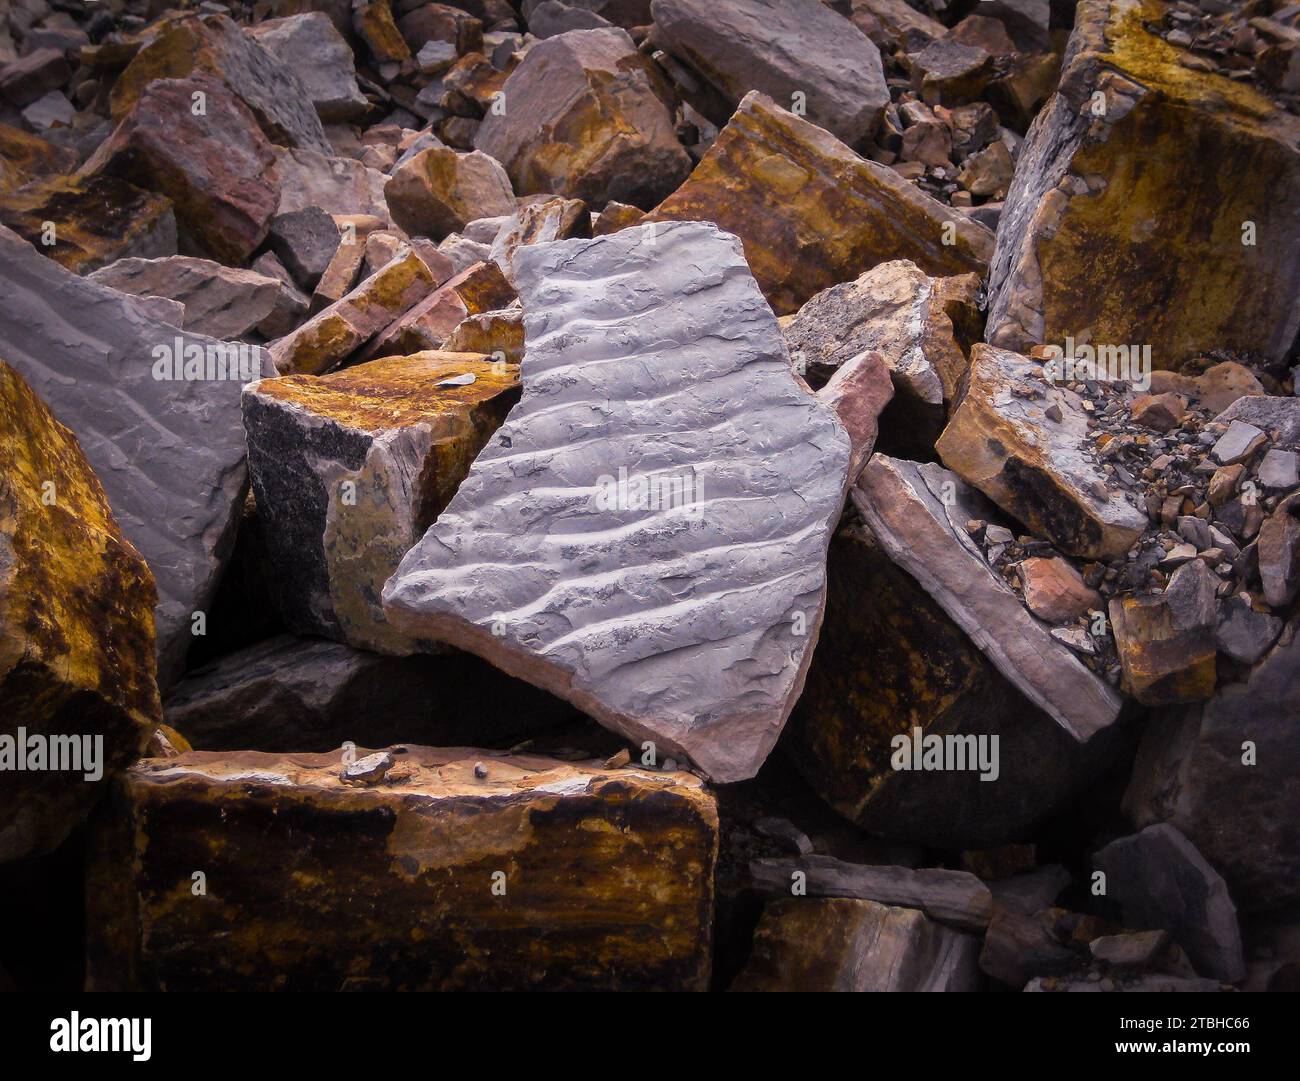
<point x="78" y="698"/>
<point x="479" y="288"/>
<point x="812" y="213"/>
<point x="657" y="559"/>
<point x="309" y="46"/>
<point x="350" y="469"/>
<point x="435" y="877"/>
<point x="440" y="190"/>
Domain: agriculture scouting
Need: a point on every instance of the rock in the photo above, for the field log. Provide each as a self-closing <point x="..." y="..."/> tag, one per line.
<point x="327" y="339"/>
<point x="291" y="694"/>
<point x="928" y="142"/>
<point x="291" y="304"/>
<point x="812" y="213"/>
<point x="1032" y="891"/>
<point x="213" y="167"/>
<point x="1161" y="882"/>
<point x="499" y="333"/>
<point x="921" y="327"/>
<point x="582" y="119"/>
<point x="215" y="48"/>
<point x="428" y="324"/>
<point x="1019" y="946"/>
<point x="1243" y="633"/>
<point x="336" y="185"/>
<point x="951" y="72"/>
<point x="1124" y="97"/>
<point x="539" y="223"/>
<point x="1222" y="773"/>
<point x="34" y="75"/>
<point x="721" y="637"/>
<point x="858" y="392"/>
<point x="1026" y="21"/>
<point x="1278" y="553"/>
<point x="955" y="898"/>
<point x="435" y="879"/>
<point x="25" y="157"/>
<point x="219" y="302"/>
<point x="793" y="51"/>
<point x="440" y="190"/>
<point x="48" y="112"/>
<point x="175" y="482"/>
<point x="1135" y="949"/>
<point x="986" y="33"/>
<point x="988" y="172"/>
<point x="616" y="216"/>
<point x="1055" y="591"/>
<point x="1218" y="387"/>
<point x="305" y="240"/>
<point x="435" y="57"/>
<point x="464" y="254"/>
<point x="1280" y="417"/>
<point x="1039" y="470"/>
<point x="1239" y="443"/>
<point x="97" y="220"/>
<point x="551" y="18"/>
<point x="842" y="944"/>
<point x="1160" y="412"/>
<point x="1166" y="641"/>
<point x="345" y="267"/>
<point x="350" y="469"/>
<point x="309" y="46"/>
<point x="1280" y="469"/>
<point x="77" y="690"/>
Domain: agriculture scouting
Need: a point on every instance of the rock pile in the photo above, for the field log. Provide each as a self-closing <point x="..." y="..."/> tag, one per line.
<point x="651" y="494"/>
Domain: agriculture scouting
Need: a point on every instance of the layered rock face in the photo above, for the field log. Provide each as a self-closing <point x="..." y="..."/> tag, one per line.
<point x="457" y="872"/>
<point x="718" y="524"/>
<point x="77" y="688"/>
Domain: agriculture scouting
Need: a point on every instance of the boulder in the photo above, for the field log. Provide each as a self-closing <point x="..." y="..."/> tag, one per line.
<point x="793" y="51"/>
<point x="220" y="302"/>
<point x="581" y="118"/>
<point x="1111" y="164"/>
<point x="440" y="191"/>
<point x="498" y="333"/>
<point x="305" y="241"/>
<point x="539" y="223"/>
<point x="168" y="448"/>
<point x="1054" y="591"/>
<point x="1004" y="440"/>
<point x="212" y="166"/>
<point x="843" y="944"/>
<point x="1161" y="882"/>
<point x="309" y="46"/>
<point x="336" y="185"/>
<point x="427" y="325"/>
<point x="214" y="47"/>
<point x="28" y="78"/>
<point x="812" y="213"/>
<point x="78" y="696"/>
<point x="350" y="469"/>
<point x="1279" y="417"/>
<point x="436" y="875"/>
<point x="671" y="587"/>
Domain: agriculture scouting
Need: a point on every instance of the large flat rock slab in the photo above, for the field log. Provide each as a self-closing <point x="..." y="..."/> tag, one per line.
<point x="453" y="869"/>
<point x="646" y="534"/>
<point x="77" y="693"/>
<point x="169" y="452"/>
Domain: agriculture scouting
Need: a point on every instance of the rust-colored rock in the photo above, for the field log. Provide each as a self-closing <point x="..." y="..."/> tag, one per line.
<point x="440" y="190"/>
<point x="479" y="288"/>
<point x="453" y="869"/>
<point x="24" y="157"/>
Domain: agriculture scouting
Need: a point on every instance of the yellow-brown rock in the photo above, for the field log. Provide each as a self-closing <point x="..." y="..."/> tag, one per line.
<point x="1027" y="446"/>
<point x="24" y="157"/>
<point x="812" y="213"/>
<point x="1153" y="204"/>
<point x="329" y="338"/>
<point x="426" y="325"/>
<point x="375" y="25"/>
<point x="350" y="469"/>
<point x="499" y="334"/>
<point x="77" y="668"/>
<point x="97" y="220"/>
<point x="450" y="869"/>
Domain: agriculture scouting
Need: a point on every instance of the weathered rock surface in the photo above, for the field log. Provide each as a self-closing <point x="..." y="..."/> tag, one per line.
<point x="169" y="452"/>
<point x="220" y="302"/>
<point x="294" y="694"/>
<point x="454" y="873"/>
<point x="782" y="48"/>
<point x="336" y="185"/>
<point x="1041" y="470"/>
<point x="1111" y="165"/>
<point x="350" y="469"/>
<point x="305" y="241"/>
<point x="77" y="692"/>
<point x="539" y="223"/>
<point x="311" y="48"/>
<point x="440" y="190"/>
<point x="427" y="325"/>
<point x="1223" y="774"/>
<point x="213" y="46"/>
<point x="843" y="944"/>
<point x="1161" y="882"/>
<point x="859" y="391"/>
<point x="812" y="213"/>
<point x="535" y="563"/>
<point x="582" y="119"/>
<point x="213" y="167"/>
<point x="25" y="157"/>
<point x="952" y="897"/>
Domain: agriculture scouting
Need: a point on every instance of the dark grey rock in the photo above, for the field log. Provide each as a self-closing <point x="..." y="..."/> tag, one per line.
<point x="305" y="240"/>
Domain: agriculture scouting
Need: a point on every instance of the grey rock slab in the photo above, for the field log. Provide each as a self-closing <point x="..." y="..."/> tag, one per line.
<point x="218" y="301"/>
<point x="552" y="17"/>
<point x="305" y="240"/>
<point x="170" y="453"/>
<point x="1242" y="633"/>
<point x="904" y="504"/>
<point x="1161" y="882"/>
<point x="1238" y="443"/>
<point x="957" y="898"/>
<point x="1280" y="469"/>
<point x="1280" y="417"/>
<point x="310" y="46"/>
<point x="781" y="48"/>
<point x="646" y="534"/>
